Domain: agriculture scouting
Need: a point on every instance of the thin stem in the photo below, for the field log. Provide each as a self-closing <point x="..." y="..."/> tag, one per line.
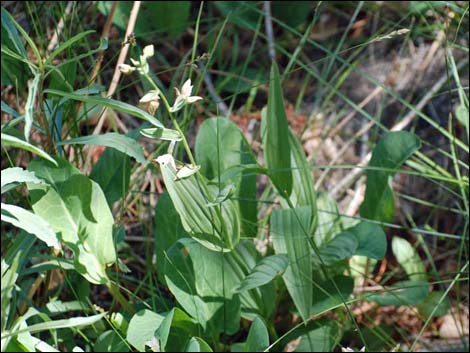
<point x="173" y="119"/>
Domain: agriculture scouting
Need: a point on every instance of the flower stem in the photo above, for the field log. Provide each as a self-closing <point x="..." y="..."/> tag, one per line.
<point x="173" y="119"/>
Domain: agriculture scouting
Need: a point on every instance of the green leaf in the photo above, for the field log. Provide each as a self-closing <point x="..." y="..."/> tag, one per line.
<point x="12" y="176"/>
<point x="172" y="16"/>
<point x="292" y="13"/>
<point x="329" y="219"/>
<point x="258" y="301"/>
<point x="220" y="147"/>
<point x="109" y="103"/>
<point x="427" y="306"/>
<point x="326" y="297"/>
<point x="409" y="259"/>
<point x="113" y="181"/>
<point x="76" y="208"/>
<point x="14" y="64"/>
<point x="264" y="272"/>
<point x="31" y="223"/>
<point x="194" y="276"/>
<point x="389" y="154"/>
<point x="168" y="229"/>
<point x="223" y="195"/>
<point x="303" y="189"/>
<point x="120" y="142"/>
<point x="197" y="344"/>
<point x="175" y="330"/>
<point x="12" y="33"/>
<point x="217" y="228"/>
<point x="289" y="233"/>
<point x="462" y="116"/>
<point x="322" y="338"/>
<point x="9" y="277"/>
<point x="142" y="328"/>
<point x="110" y="341"/>
<point x="25" y="35"/>
<point x="29" y="106"/>
<point x="258" y="337"/>
<point x="371" y="240"/>
<point x="277" y="150"/>
<point x="341" y="247"/>
<point x="402" y="293"/>
<point x="157" y="133"/>
<point x="66" y="45"/>
<point x="8" y="140"/>
<point x="76" y="322"/>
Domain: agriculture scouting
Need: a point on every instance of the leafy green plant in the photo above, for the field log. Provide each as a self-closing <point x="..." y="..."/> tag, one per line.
<point x="248" y="254"/>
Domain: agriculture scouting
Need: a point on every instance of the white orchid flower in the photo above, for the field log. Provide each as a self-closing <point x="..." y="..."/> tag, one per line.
<point x="166" y="159"/>
<point x="126" y="69"/>
<point x="186" y="171"/>
<point x="184" y="96"/>
<point x="152" y="95"/>
<point x="153" y="98"/>
<point x="148" y="51"/>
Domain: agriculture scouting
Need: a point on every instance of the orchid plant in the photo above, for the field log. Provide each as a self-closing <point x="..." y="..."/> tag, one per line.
<point x="152" y="97"/>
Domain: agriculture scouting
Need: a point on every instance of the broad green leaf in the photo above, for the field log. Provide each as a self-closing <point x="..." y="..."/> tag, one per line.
<point x="76" y="207"/>
<point x="258" y="301"/>
<point x="264" y="272"/>
<point x="142" y="328"/>
<point x="76" y="322"/>
<point x="158" y="133"/>
<point x="329" y="219"/>
<point x="402" y="293"/>
<point x="289" y="231"/>
<point x="8" y="140"/>
<point x="120" y="142"/>
<point x="318" y="335"/>
<point x="175" y="331"/>
<point x="409" y="259"/>
<point x="320" y="339"/>
<point x="109" y="103"/>
<point x="223" y="195"/>
<point x="168" y="229"/>
<point x="371" y="240"/>
<point x="258" y="337"/>
<point x="197" y="344"/>
<point x="326" y="297"/>
<point x="68" y="43"/>
<point x="110" y="341"/>
<point x="113" y="181"/>
<point x="172" y="16"/>
<point x="341" y="247"/>
<point x="427" y="306"/>
<point x="277" y="150"/>
<point x="29" y="106"/>
<point x="217" y="228"/>
<point x="195" y="277"/>
<point x="303" y="189"/>
<point x="220" y="147"/>
<point x="12" y="176"/>
<point x="31" y="223"/>
<point x="389" y="154"/>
